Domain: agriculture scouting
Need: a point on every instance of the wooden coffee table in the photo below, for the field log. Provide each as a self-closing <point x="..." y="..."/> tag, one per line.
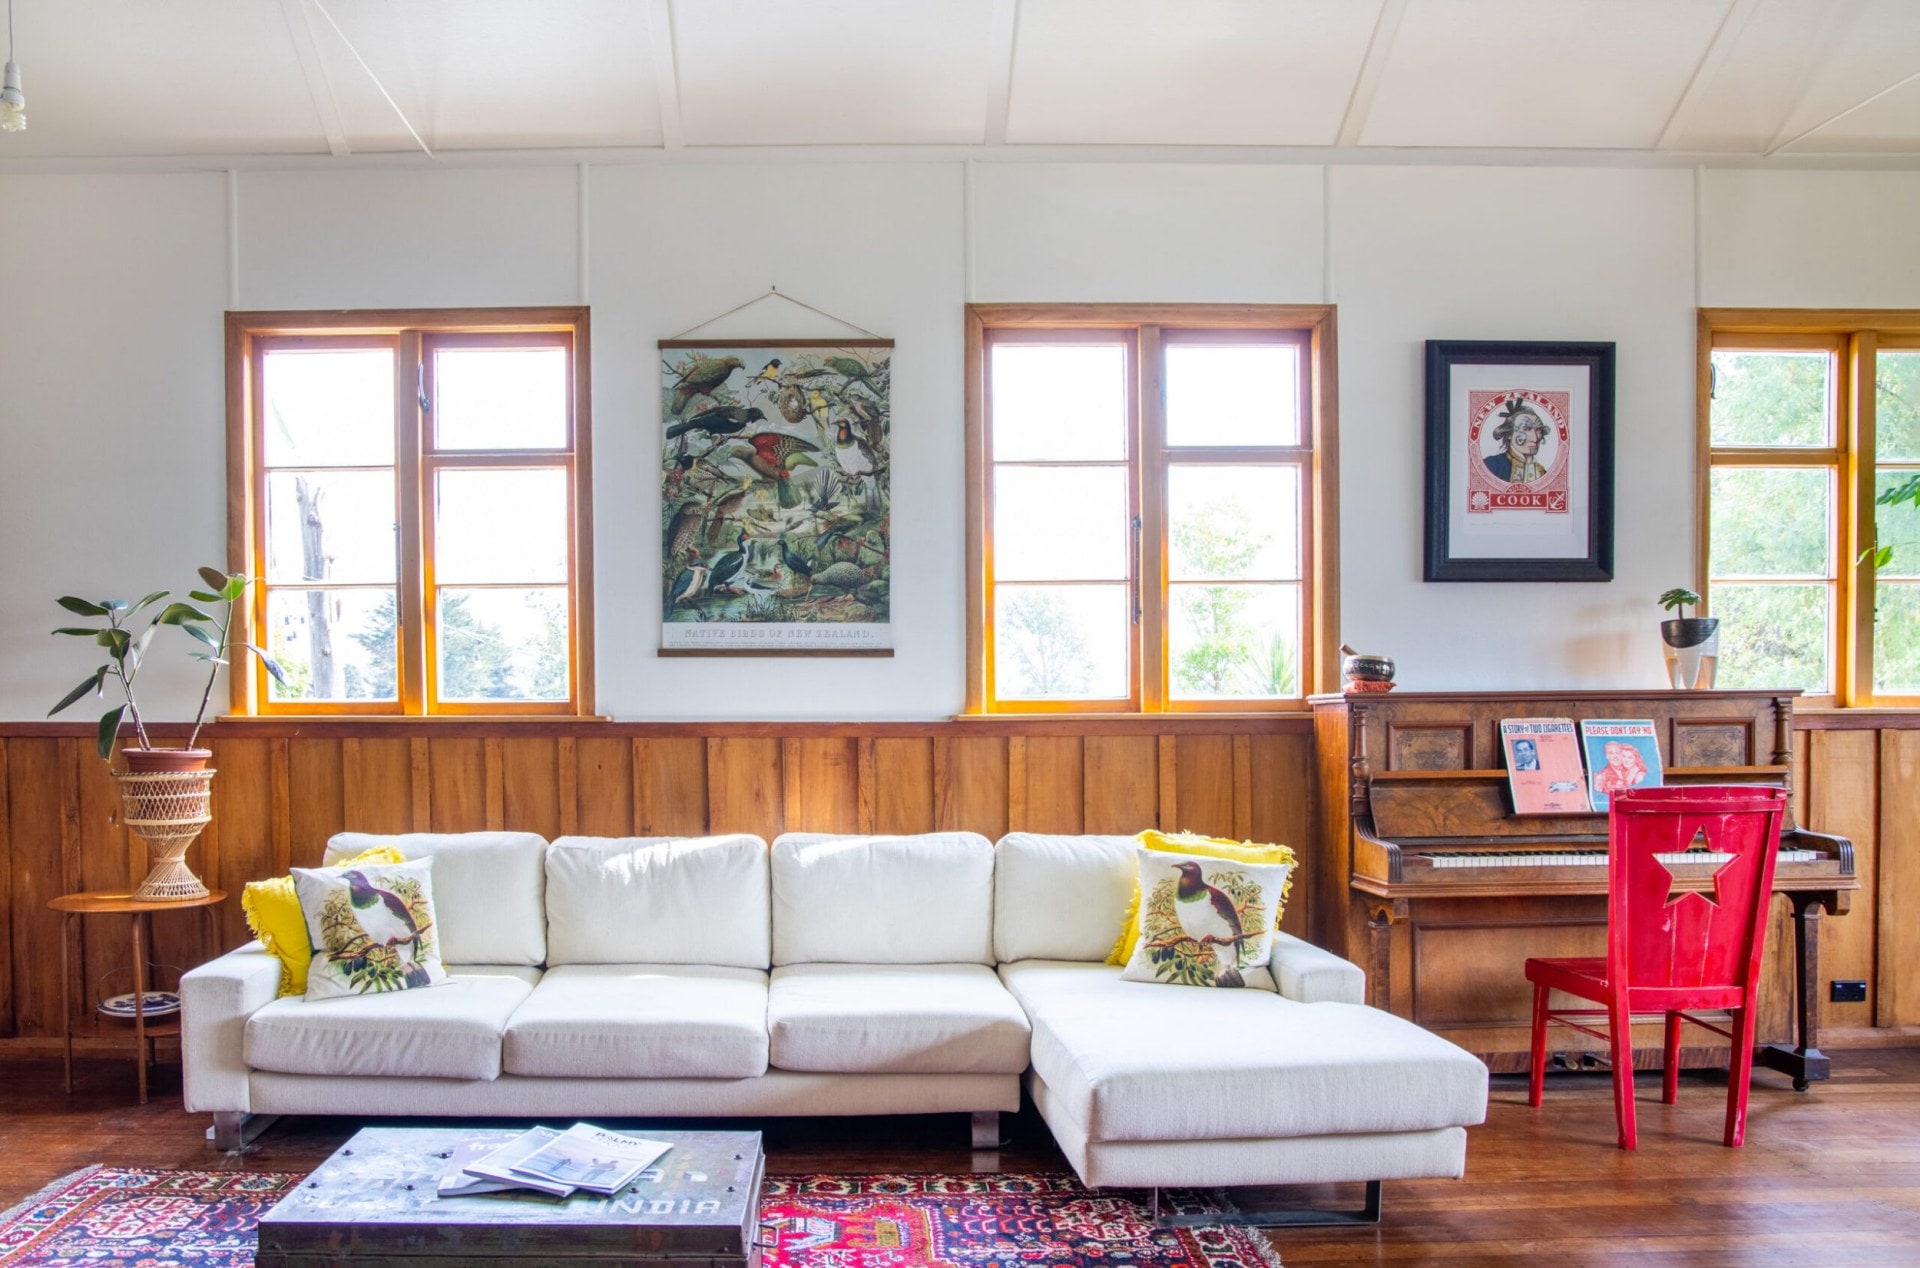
<point x="374" y="1203"/>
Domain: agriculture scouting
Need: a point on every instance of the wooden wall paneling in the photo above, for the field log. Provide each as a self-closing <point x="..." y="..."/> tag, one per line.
<point x="243" y="819"/>
<point x="420" y="782"/>
<point x="316" y="797"/>
<point x="971" y="786"/>
<point x="530" y="784"/>
<point x="377" y="784"/>
<point x="1842" y="767"/>
<point x="743" y="786"/>
<point x="493" y="783"/>
<point x="280" y="797"/>
<point x="865" y="771"/>
<point x="38" y="876"/>
<point x="1120" y="786"/>
<point x="457" y="785"/>
<point x="604" y="767"/>
<point x="1054" y="786"/>
<point x="670" y="787"/>
<point x="819" y="784"/>
<point x="1017" y="784"/>
<point x="1897" y="998"/>
<point x="566" y="762"/>
<point x="903" y="785"/>
<point x="1204" y="775"/>
<point x="1169" y="776"/>
<point x="1281" y="811"/>
<point x="6" y="893"/>
<point x="101" y="854"/>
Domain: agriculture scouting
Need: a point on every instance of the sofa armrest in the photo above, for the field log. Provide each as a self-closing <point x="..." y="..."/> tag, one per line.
<point x="1311" y="975"/>
<point x="215" y="1001"/>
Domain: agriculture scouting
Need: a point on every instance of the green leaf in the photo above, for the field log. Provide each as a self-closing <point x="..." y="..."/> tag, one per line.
<point x="271" y="665"/>
<point x="91" y="684"/>
<point x="235" y="587"/>
<point x="1883" y="556"/>
<point x="214" y="578"/>
<point x="116" y="641"/>
<point x="155" y="597"/>
<point x="180" y="614"/>
<point x="200" y="633"/>
<point x="109" y="727"/>
<point x="140" y="644"/>
<point x="81" y="606"/>
<point x="114" y="605"/>
<point x="201" y="596"/>
<point x="87" y="631"/>
<point x="208" y="657"/>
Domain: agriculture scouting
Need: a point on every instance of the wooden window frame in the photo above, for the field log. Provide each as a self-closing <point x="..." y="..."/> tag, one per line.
<point x="1852" y="337"/>
<point x="411" y="333"/>
<point x="1148" y="457"/>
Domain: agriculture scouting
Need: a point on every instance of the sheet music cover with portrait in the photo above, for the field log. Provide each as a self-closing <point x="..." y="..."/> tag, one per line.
<point x="1543" y="766"/>
<point x="1622" y="753"/>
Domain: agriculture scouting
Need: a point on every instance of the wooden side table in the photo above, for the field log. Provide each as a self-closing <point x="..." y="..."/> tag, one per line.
<point x="118" y="903"/>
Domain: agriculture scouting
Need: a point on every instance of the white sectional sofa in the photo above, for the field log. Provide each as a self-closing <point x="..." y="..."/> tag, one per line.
<point x="829" y="975"/>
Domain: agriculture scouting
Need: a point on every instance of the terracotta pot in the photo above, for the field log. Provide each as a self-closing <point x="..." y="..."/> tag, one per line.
<point x="155" y="761"/>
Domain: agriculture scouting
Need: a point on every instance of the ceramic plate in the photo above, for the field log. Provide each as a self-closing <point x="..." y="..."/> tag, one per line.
<point x="159" y="1004"/>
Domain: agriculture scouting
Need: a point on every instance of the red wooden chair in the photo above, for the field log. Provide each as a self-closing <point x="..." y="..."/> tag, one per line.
<point x="1666" y="954"/>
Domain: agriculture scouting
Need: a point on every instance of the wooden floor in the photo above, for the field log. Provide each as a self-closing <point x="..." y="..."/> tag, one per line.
<point x="1830" y="1177"/>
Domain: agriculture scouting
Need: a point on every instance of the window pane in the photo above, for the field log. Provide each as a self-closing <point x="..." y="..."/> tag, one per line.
<point x="331" y="526"/>
<point x="500" y="398"/>
<point x="1770" y="398"/>
<point x="1234" y="641"/>
<point x="503" y="644"/>
<point x="501" y="525"/>
<point x="1238" y="522"/>
<point x="328" y="409"/>
<point x="1897" y="525"/>
<point x="1060" y="642"/>
<point x="1053" y="403"/>
<point x="1770" y="522"/>
<point x="1896" y="412"/>
<point x="334" y="644"/>
<point x="1233" y="394"/>
<point x="1060" y="523"/>
<point x="1896" y="638"/>
<point x="1773" y="636"/>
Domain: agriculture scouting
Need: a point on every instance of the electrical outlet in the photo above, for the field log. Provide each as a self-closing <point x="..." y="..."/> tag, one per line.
<point x="1849" y="992"/>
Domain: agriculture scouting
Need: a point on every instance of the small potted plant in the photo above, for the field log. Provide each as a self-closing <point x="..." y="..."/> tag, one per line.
<point x="1692" y="643"/>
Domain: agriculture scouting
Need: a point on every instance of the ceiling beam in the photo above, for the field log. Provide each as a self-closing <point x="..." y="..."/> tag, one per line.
<point x="1386" y="27"/>
<point x="307" y="49"/>
<point x="666" y="72"/>
<point x="1003" y="35"/>
<point x="1732" y="23"/>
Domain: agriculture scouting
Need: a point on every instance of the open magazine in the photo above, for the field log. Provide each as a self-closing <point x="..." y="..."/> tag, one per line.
<point x="496" y="1168"/>
<point x="591" y="1158"/>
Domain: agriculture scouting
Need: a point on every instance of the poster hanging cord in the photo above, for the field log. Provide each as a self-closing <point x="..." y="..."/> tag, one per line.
<point x="773" y="292"/>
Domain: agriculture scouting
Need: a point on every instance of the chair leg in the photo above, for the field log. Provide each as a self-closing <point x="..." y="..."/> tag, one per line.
<point x="1537" y="1076"/>
<point x="1670" y="1078"/>
<point x="1621" y="1024"/>
<point x="1739" y="1075"/>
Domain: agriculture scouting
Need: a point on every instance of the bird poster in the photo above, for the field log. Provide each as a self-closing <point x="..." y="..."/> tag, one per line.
<point x="776" y="503"/>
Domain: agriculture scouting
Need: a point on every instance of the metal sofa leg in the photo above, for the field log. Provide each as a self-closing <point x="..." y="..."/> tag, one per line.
<point x="986" y="1129"/>
<point x="1291" y="1217"/>
<point x="234" y="1130"/>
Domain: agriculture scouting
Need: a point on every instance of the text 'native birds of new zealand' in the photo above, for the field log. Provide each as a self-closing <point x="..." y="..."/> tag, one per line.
<point x="1208" y="917"/>
<point x="384" y="918"/>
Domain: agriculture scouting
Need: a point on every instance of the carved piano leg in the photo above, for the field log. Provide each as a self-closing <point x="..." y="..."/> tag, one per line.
<point x="1805" y="1062"/>
<point x="1380" y="922"/>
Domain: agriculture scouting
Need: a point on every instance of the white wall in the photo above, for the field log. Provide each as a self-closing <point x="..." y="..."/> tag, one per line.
<point x="111" y="392"/>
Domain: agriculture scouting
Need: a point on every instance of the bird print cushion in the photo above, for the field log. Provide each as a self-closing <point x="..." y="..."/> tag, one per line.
<point x="371" y="928"/>
<point x="272" y="907"/>
<point x="1206" y="847"/>
<point x="1204" y="921"/>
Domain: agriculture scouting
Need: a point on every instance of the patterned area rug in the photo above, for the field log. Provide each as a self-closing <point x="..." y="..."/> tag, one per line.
<point x="991" y="1221"/>
<point x="141" y="1218"/>
<point x="148" y="1218"/>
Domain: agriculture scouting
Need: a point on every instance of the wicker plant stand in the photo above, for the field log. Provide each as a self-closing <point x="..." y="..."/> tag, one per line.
<point x="167" y="809"/>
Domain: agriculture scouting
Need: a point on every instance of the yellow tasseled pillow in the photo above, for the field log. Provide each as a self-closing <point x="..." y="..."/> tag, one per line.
<point x="1205" y="847"/>
<point x="273" y="913"/>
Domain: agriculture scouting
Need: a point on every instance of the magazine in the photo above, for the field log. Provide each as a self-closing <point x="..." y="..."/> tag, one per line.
<point x="591" y="1158"/>
<point x="456" y="1183"/>
<point x="1622" y="753"/>
<point x="1543" y="766"/>
<point x="499" y="1163"/>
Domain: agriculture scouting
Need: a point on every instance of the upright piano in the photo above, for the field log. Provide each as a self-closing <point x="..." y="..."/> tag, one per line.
<point x="1449" y="891"/>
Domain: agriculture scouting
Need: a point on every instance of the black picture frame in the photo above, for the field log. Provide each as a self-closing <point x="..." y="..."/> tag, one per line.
<point x="1556" y="527"/>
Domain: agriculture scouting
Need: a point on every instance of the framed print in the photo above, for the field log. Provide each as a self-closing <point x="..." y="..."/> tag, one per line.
<point x="1519" y="461"/>
<point x="776" y="497"/>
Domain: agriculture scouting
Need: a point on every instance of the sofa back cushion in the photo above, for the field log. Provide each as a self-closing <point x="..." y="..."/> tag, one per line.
<point x="1060" y="897"/>
<point x="924" y="899"/>
<point x="489" y="890"/>
<point x="658" y="900"/>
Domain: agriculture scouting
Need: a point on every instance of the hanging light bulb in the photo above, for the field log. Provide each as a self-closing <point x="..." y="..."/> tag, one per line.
<point x="13" y="102"/>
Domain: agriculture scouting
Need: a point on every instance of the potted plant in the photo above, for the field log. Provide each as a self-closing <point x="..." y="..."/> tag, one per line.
<point x="1692" y="643"/>
<point x="166" y="793"/>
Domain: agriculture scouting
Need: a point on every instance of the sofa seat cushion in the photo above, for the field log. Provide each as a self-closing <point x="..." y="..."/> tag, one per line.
<point x="1136" y="1061"/>
<point x="642" y="1021"/>
<point x="450" y="1032"/>
<point x="894" y="1019"/>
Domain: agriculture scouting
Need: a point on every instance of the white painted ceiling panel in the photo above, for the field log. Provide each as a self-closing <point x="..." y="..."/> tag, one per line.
<point x="1539" y="73"/>
<point x="1769" y="62"/>
<point x="1874" y="46"/>
<point x="1207" y="72"/>
<point x="832" y="72"/>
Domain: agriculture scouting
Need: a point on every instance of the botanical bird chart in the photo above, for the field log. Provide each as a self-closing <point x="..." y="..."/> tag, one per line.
<point x="776" y="504"/>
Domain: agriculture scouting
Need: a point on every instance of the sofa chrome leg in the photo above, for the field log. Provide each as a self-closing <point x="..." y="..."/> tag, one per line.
<point x="1290" y="1217"/>
<point x="235" y="1130"/>
<point x="986" y="1129"/>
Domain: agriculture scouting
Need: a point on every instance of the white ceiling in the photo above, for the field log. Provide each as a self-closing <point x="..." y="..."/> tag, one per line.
<point x="271" y="79"/>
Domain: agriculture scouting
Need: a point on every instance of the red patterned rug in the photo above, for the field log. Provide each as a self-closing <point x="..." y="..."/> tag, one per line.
<point x="132" y="1218"/>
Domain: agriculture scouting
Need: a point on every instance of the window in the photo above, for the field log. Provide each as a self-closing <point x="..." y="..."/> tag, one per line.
<point x="1811" y="419"/>
<point x="410" y="499"/>
<point x="1148" y="519"/>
